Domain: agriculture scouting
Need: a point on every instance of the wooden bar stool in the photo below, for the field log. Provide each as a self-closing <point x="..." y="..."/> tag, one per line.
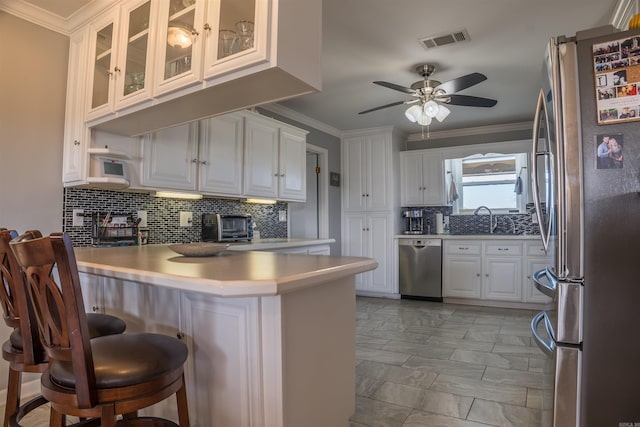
<point x="105" y="376"/>
<point x="23" y="350"/>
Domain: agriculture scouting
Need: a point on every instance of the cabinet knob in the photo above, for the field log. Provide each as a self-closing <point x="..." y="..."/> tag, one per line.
<point x="486" y="275"/>
<point x="116" y="69"/>
<point x="276" y="175"/>
<point x="76" y="142"/>
<point x="180" y="335"/>
<point x="194" y="33"/>
<point x="528" y="276"/>
<point x="95" y="308"/>
<point x="281" y="175"/>
<point x="194" y="161"/>
<point x="477" y="274"/>
<point x="207" y="27"/>
<point x="204" y="162"/>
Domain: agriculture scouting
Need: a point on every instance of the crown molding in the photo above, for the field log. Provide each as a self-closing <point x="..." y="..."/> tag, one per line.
<point x="623" y="12"/>
<point x="51" y="21"/>
<point x="35" y="15"/>
<point x="301" y="118"/>
<point x="480" y="130"/>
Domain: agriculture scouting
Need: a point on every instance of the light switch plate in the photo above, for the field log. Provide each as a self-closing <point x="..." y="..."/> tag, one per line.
<point x="78" y="218"/>
<point x="142" y="216"/>
<point x="282" y="216"/>
<point x="186" y="219"/>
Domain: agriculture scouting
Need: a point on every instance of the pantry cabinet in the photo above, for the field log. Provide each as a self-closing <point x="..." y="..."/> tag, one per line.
<point x="370" y="204"/>
<point x="366" y="235"/>
<point x="421" y="178"/>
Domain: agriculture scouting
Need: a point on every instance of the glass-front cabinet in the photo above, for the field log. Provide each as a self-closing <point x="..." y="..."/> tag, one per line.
<point x="201" y="39"/>
<point x="120" y="47"/>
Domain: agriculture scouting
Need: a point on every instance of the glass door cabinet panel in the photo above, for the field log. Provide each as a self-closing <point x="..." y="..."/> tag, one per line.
<point x="236" y="26"/>
<point x="102" y="74"/>
<point x="137" y="45"/>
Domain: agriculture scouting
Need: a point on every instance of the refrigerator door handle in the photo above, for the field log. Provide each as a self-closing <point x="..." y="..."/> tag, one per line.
<point x="547" y="347"/>
<point x="547" y="289"/>
<point x="541" y="113"/>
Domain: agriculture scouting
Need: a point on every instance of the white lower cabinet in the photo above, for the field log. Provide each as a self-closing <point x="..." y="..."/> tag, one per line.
<point x="368" y="235"/>
<point x="492" y="270"/>
<point x="462" y="266"/>
<point x="535" y="259"/>
<point x="502" y="270"/>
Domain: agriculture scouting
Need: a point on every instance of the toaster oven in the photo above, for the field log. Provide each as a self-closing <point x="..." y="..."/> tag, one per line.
<point x="226" y="228"/>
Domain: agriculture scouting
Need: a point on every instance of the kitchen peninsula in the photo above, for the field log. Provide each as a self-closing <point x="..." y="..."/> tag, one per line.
<point x="271" y="336"/>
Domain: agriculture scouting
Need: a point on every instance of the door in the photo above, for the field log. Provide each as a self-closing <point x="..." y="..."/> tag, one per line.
<point x="502" y="278"/>
<point x="261" y="158"/>
<point x="461" y="275"/>
<point x="292" y="166"/>
<point x="221" y="155"/>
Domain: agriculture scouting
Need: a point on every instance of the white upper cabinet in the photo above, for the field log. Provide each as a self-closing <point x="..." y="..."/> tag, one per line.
<point x="120" y="57"/>
<point x="203" y="39"/>
<point x="422" y="178"/>
<point x="170" y="158"/>
<point x="275" y="160"/>
<point x="221" y="154"/>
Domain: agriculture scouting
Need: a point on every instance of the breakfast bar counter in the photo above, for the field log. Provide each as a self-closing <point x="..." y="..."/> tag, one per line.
<point x="271" y="336"/>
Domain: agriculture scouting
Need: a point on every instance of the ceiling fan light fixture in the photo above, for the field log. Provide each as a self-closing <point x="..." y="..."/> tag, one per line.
<point x="424" y="120"/>
<point x="431" y="108"/>
<point x="443" y="112"/>
<point x="413" y="113"/>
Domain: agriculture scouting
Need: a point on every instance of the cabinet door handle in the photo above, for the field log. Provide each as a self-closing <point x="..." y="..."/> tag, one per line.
<point x="194" y="161"/>
<point x="204" y="162"/>
<point x="281" y="175"/>
<point x="463" y="249"/>
<point x="116" y="69"/>
<point x="180" y="335"/>
<point x="486" y="275"/>
<point x="477" y="274"/>
<point x="276" y="175"/>
<point x="503" y="249"/>
<point x="76" y="142"/>
<point x="95" y="308"/>
<point x="207" y="27"/>
<point x="194" y="33"/>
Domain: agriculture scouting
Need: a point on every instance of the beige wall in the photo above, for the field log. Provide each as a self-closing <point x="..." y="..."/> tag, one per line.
<point x="33" y="69"/>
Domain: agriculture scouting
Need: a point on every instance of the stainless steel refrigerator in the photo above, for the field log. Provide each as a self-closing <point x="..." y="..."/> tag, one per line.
<point x="588" y="206"/>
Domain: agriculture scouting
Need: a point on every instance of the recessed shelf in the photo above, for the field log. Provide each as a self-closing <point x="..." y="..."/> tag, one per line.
<point x="109" y="152"/>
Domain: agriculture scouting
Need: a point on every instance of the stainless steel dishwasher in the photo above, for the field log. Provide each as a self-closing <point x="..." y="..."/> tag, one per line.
<point x="420" y="265"/>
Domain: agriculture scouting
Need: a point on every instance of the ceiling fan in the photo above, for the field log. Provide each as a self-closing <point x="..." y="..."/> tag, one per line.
<point x="429" y="95"/>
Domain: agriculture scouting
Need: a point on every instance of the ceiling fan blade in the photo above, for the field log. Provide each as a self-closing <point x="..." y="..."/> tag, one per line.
<point x="382" y="106"/>
<point x="396" y="87"/>
<point x="461" y="83"/>
<point x="468" y="101"/>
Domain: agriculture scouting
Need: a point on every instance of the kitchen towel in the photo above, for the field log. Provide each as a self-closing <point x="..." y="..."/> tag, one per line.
<point x="518" y="187"/>
<point x="453" y="192"/>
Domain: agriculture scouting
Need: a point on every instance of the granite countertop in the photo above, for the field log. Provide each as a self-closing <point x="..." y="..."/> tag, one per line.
<point x="229" y="274"/>
<point x="496" y="236"/>
<point x="268" y="244"/>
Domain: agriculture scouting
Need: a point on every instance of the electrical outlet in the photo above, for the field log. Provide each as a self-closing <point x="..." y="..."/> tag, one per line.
<point x="282" y="216"/>
<point x="446" y="220"/>
<point x="534" y="218"/>
<point x="186" y="219"/>
<point x="78" y="218"/>
<point x="142" y="216"/>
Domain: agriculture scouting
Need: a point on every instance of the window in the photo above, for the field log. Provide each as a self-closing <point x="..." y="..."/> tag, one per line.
<point x="489" y="180"/>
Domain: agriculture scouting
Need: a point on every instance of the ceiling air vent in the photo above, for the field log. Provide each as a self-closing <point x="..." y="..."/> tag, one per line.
<point x="444" y="39"/>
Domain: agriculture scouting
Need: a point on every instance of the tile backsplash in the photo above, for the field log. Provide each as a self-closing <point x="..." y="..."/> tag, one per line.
<point x="163" y="215"/>
<point x="479" y="224"/>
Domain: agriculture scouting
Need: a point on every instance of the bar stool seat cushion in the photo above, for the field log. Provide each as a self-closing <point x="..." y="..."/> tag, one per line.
<point x="124" y="360"/>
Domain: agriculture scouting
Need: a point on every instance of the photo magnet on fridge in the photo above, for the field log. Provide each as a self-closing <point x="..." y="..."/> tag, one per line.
<point x="609" y="154"/>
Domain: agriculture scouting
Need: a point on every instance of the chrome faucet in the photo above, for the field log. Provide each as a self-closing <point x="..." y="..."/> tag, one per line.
<point x="492" y="226"/>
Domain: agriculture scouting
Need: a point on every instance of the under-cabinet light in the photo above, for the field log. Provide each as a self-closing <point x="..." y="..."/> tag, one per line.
<point x="172" y="195"/>
<point x="262" y="201"/>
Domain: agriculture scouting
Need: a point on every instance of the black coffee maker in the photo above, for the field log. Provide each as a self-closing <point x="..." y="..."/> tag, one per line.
<point x="413" y="221"/>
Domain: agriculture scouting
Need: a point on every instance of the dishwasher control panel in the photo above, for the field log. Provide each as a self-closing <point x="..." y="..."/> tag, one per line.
<point x="420" y="242"/>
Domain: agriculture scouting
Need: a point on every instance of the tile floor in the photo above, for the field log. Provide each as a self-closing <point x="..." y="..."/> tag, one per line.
<point x="431" y="364"/>
<point x="422" y="363"/>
